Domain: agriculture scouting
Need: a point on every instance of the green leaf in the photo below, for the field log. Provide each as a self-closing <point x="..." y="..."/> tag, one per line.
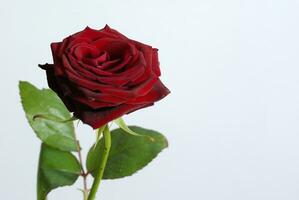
<point x="128" y="153"/>
<point x="122" y="124"/>
<point x="48" y="117"/>
<point x="56" y="168"/>
<point x="99" y="133"/>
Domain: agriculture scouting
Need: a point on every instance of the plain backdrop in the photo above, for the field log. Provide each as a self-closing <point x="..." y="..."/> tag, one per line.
<point x="232" y="119"/>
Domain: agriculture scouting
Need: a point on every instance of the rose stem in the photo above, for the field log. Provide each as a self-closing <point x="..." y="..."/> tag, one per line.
<point x="104" y="158"/>
<point x="83" y="173"/>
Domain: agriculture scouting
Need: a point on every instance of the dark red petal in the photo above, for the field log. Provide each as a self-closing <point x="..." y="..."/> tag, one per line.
<point x="93" y="103"/>
<point x="94" y="34"/>
<point x="86" y="50"/>
<point x="85" y="68"/>
<point x="69" y="71"/>
<point x="57" y="86"/>
<point x="155" y="63"/>
<point x="57" y="53"/>
<point x="158" y="92"/>
<point x="120" y="79"/>
<point x="74" y="67"/>
<point x="97" y="60"/>
<point x="98" y="118"/>
<point x="113" y="32"/>
<point x="143" y="106"/>
<point x="74" y="42"/>
<point x="146" y="50"/>
<point x="147" y="72"/>
<point x="111" y="64"/>
<point x="58" y="48"/>
<point x="115" y="47"/>
<point x="96" y="86"/>
<point x="55" y="48"/>
<point x="97" y="95"/>
<point x="91" y="34"/>
<point x="122" y="62"/>
<point x="145" y="87"/>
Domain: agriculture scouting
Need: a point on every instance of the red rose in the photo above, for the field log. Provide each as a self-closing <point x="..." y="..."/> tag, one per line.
<point x="101" y="75"/>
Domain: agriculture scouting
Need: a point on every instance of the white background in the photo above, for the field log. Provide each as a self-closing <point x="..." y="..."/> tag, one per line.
<point x="232" y="118"/>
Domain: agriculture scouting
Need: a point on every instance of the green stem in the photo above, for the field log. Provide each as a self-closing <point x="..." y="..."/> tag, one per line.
<point x="85" y="195"/>
<point x="104" y="157"/>
<point x="83" y="173"/>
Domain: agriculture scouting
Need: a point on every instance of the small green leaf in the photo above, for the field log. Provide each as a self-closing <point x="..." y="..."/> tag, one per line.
<point x="128" y="153"/>
<point x="48" y="117"/>
<point x="122" y="124"/>
<point x="56" y="168"/>
<point x="99" y="133"/>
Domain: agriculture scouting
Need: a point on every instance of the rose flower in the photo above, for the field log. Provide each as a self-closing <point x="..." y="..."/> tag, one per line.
<point x="101" y="75"/>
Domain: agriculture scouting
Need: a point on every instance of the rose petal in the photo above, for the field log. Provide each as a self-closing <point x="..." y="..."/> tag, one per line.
<point x="145" y="87"/>
<point x="92" y="103"/>
<point x="100" y="117"/>
<point x="158" y="92"/>
<point x="57" y="86"/>
<point x="95" y="86"/>
<point x="100" y="96"/>
<point x="83" y="67"/>
<point x="113" y="32"/>
<point x="155" y="62"/>
<point x="86" y="50"/>
<point x="92" y="34"/>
